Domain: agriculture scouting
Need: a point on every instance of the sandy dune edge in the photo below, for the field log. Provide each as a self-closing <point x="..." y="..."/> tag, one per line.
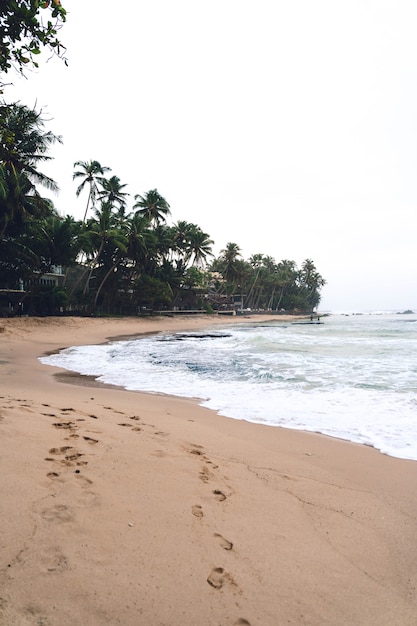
<point x="126" y="508"/>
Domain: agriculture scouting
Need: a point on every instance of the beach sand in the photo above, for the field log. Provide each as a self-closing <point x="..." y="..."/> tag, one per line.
<point x="125" y="508"/>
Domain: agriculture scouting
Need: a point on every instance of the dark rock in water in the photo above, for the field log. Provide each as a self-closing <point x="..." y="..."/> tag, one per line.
<point x="182" y="336"/>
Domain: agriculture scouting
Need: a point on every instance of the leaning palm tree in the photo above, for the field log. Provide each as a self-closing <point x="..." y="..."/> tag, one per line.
<point x="153" y="206"/>
<point x="256" y="261"/>
<point x="100" y="229"/>
<point x="92" y="173"/>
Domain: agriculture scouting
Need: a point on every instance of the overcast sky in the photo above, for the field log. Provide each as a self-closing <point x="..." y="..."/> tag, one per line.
<point x="287" y="127"/>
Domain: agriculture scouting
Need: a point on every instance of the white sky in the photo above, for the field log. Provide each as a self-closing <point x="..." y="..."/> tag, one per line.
<point x="287" y="127"/>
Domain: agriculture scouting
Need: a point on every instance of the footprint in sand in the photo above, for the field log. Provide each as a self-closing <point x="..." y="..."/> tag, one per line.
<point x="224" y="543"/>
<point x="64" y="425"/>
<point x="196" y="452"/>
<point x="219" y="495"/>
<point x="74" y="456"/>
<point x="53" y="559"/>
<point x="26" y="408"/>
<point x="204" y="475"/>
<point x="52" y="474"/>
<point x="125" y="424"/>
<point x="242" y="622"/>
<point x="194" y="448"/>
<point x="61" y="450"/>
<point x="109" y="408"/>
<point x="90" y="440"/>
<point x="219" y="577"/>
<point x="197" y="511"/>
<point x="58" y="512"/>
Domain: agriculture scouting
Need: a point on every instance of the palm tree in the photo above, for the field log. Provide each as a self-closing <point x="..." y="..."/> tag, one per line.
<point x="112" y="191"/>
<point x="232" y="268"/>
<point x="59" y="241"/>
<point x="153" y="206"/>
<point x="115" y="254"/>
<point x="191" y="243"/>
<point x="140" y="239"/>
<point x="103" y="229"/>
<point x="228" y="261"/>
<point x="92" y="239"/>
<point x="311" y="283"/>
<point x="285" y="278"/>
<point x="92" y="173"/>
<point x="43" y="244"/>
<point x="256" y="261"/>
<point x="164" y="241"/>
<point x="23" y="145"/>
<point x="180" y="232"/>
<point x="19" y="200"/>
<point x="198" y="246"/>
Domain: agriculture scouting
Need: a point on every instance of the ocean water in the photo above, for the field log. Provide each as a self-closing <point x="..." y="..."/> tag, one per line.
<point x="352" y="376"/>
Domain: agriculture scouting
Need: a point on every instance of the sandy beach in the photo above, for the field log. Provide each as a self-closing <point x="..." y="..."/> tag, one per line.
<point x="127" y="508"/>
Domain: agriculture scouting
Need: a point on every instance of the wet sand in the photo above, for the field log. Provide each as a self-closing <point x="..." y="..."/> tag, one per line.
<point x="126" y="508"/>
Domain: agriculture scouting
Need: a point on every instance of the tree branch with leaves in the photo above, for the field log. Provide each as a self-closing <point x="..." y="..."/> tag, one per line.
<point x="26" y="28"/>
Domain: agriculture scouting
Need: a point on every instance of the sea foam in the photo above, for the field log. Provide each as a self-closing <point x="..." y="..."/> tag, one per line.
<point x="351" y="377"/>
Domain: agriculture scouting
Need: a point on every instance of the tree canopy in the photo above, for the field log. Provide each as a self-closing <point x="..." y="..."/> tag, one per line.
<point x="26" y="28"/>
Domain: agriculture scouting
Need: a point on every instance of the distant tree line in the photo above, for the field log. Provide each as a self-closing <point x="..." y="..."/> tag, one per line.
<point x="118" y="260"/>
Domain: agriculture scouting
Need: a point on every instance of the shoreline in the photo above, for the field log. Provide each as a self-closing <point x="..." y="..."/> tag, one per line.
<point x="74" y="377"/>
<point x="142" y="508"/>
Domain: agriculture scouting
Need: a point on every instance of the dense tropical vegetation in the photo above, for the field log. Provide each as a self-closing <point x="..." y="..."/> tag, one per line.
<point x="116" y="260"/>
